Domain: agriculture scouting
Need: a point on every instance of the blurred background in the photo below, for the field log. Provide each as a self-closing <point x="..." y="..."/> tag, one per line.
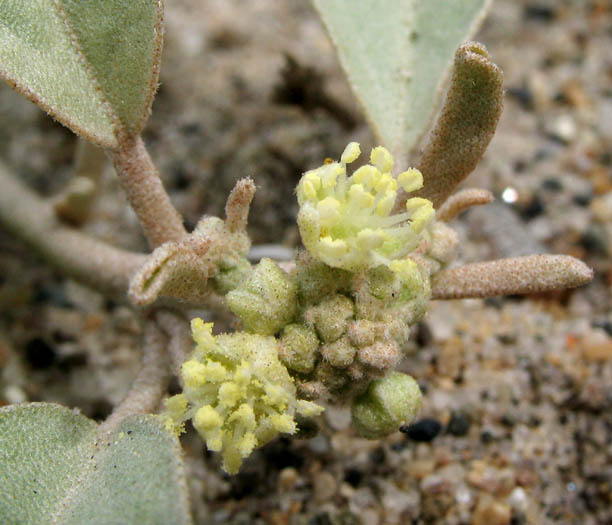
<point x="516" y="425"/>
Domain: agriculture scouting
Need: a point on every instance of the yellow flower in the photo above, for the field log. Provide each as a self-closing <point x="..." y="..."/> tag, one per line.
<point x="237" y="393"/>
<point x="345" y="221"/>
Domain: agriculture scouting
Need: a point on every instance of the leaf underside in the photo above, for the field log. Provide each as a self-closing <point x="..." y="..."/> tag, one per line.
<point x="396" y="55"/>
<point x="57" y="469"/>
<point x="92" y="65"/>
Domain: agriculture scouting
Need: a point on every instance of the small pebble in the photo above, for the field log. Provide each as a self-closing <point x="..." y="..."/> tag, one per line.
<point x="424" y="430"/>
<point x="325" y="487"/>
<point x="459" y="424"/>
<point x="287" y="479"/>
<point x="491" y="512"/>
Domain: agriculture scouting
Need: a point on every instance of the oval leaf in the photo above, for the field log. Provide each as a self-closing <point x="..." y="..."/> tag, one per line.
<point x="396" y="55"/>
<point x="92" y="65"/>
<point x="58" y="469"/>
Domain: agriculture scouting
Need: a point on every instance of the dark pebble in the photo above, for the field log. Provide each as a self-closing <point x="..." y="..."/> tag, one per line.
<point x="423" y="334"/>
<point x="582" y="199"/>
<point x="54" y="294"/>
<point x="495" y="302"/>
<point x="459" y="424"/>
<point x="522" y="95"/>
<point x="100" y="410"/>
<point x="604" y="325"/>
<point x="320" y="519"/>
<point x="353" y="477"/>
<point x="244" y="484"/>
<point x="486" y="436"/>
<point x="377" y="456"/>
<point x="532" y="210"/>
<point x="279" y="455"/>
<point x="539" y="13"/>
<point x="594" y="240"/>
<point x="552" y="184"/>
<point x="39" y="354"/>
<point x="307" y="428"/>
<point x="424" y="430"/>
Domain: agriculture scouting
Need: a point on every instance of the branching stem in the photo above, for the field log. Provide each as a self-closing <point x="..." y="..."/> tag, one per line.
<point x="146" y="194"/>
<point x="91" y="262"/>
<point x="150" y="384"/>
<point x="177" y="329"/>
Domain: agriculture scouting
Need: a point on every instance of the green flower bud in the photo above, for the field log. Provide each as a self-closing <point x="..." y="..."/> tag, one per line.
<point x="381" y="355"/>
<point x="317" y="280"/>
<point x="298" y="348"/>
<point x="231" y="274"/>
<point x="340" y="353"/>
<point x="387" y="404"/>
<point x="331" y="317"/>
<point x="266" y="301"/>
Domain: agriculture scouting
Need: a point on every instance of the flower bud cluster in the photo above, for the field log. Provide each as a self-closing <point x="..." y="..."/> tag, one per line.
<point x="354" y="333"/>
<point x="334" y="328"/>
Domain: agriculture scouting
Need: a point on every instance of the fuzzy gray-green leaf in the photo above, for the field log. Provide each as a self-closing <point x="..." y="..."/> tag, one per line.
<point x="58" y="467"/>
<point x="92" y="65"/>
<point x="396" y="54"/>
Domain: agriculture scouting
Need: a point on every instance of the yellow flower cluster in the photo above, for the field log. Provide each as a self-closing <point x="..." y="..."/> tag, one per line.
<point x="237" y="393"/>
<point x="345" y="221"/>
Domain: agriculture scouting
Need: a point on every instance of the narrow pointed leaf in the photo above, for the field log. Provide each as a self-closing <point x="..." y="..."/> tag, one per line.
<point x="56" y="467"/>
<point x="396" y="54"/>
<point x="517" y="275"/>
<point x="92" y="65"/>
<point x="466" y="124"/>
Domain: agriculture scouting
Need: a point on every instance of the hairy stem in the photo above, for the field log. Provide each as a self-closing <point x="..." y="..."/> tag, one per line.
<point x="150" y="384"/>
<point x="91" y="262"/>
<point x="146" y="194"/>
<point x="177" y="329"/>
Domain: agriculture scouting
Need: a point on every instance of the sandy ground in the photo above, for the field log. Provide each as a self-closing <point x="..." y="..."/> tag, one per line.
<point x="516" y="425"/>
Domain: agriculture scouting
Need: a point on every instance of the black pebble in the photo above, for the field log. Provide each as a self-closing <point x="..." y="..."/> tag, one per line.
<point x="552" y="184"/>
<point x="604" y="325"/>
<point x="532" y="210"/>
<point x="538" y="12"/>
<point x="280" y="455"/>
<point x="582" y="199"/>
<point x="523" y="95"/>
<point x="353" y="476"/>
<point x="459" y="424"/>
<point x="424" y="430"/>
<point x="320" y="519"/>
<point x="40" y="354"/>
